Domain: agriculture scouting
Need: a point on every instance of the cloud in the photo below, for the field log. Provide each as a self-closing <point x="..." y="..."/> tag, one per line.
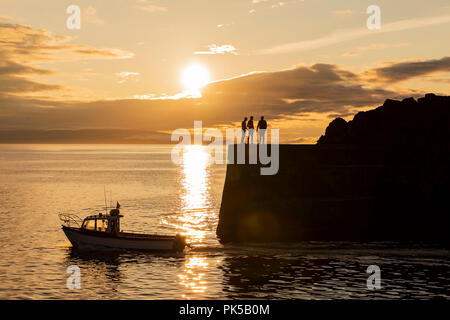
<point x="94" y="53"/>
<point x="90" y="16"/>
<point x="401" y="71"/>
<point x="24" y="46"/>
<point x="352" y="34"/>
<point x="19" y="85"/>
<point x="317" y="88"/>
<point x="127" y="76"/>
<point x="285" y="94"/>
<point x="343" y="12"/>
<point x="214" y="49"/>
<point x="297" y="141"/>
<point x="280" y="95"/>
<point x="275" y="5"/>
<point x="149" y="6"/>
<point x="5" y="17"/>
<point x="12" y="79"/>
<point x="278" y="5"/>
<point x="374" y="46"/>
<point x="441" y="80"/>
<point x="13" y="68"/>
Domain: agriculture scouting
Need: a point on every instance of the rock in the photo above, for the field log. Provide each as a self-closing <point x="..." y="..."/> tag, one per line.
<point x="396" y="123"/>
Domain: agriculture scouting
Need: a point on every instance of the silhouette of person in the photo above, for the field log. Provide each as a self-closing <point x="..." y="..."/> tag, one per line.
<point x="261" y="128"/>
<point x="244" y="128"/>
<point x="251" y="129"/>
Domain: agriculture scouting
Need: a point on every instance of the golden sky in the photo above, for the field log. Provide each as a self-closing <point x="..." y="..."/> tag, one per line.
<point x="298" y="63"/>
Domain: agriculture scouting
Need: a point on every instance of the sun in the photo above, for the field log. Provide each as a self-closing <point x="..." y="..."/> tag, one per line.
<point x="195" y="77"/>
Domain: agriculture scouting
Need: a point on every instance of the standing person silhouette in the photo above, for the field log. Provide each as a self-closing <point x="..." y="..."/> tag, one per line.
<point x="261" y="128"/>
<point x="251" y="129"/>
<point x="244" y="128"/>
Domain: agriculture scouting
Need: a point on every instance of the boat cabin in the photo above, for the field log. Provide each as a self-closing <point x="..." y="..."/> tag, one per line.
<point x="103" y="231"/>
<point x="103" y="223"/>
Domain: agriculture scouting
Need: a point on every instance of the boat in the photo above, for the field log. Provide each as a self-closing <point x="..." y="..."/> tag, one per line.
<point x="102" y="231"/>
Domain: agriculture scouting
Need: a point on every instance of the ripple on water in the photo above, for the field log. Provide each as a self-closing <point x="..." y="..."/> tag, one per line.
<point x="158" y="196"/>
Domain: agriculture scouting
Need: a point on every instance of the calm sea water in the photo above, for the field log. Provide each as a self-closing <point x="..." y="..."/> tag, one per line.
<point x="39" y="181"/>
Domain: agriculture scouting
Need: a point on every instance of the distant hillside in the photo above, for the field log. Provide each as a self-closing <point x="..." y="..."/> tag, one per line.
<point x="82" y="136"/>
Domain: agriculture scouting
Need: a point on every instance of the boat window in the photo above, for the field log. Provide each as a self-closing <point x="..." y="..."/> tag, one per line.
<point x="89" y="224"/>
<point x="102" y="225"/>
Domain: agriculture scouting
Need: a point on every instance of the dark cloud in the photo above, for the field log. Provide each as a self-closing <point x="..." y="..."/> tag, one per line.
<point x="277" y="95"/>
<point x="23" y="43"/>
<point x="13" y="68"/>
<point x="285" y="94"/>
<point x="12" y="80"/>
<point x="21" y="46"/>
<point x="19" y="85"/>
<point x="401" y="71"/>
<point x="318" y="88"/>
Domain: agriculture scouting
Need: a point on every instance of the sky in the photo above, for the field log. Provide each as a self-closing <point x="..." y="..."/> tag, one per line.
<point x="300" y="63"/>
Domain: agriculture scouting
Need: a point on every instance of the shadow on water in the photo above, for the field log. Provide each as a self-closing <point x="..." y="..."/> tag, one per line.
<point x="116" y="258"/>
<point x="334" y="274"/>
<point x="105" y="273"/>
<point x="266" y="277"/>
<point x="303" y="271"/>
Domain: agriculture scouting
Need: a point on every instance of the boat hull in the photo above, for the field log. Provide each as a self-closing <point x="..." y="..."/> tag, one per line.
<point x="123" y="241"/>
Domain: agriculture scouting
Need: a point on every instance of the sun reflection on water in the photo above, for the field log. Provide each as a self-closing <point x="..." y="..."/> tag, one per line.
<point x="195" y="196"/>
<point x="195" y="209"/>
<point x="193" y="276"/>
<point x="195" y="162"/>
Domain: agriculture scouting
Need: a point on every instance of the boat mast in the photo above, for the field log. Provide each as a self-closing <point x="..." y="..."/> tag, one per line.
<point x="106" y="204"/>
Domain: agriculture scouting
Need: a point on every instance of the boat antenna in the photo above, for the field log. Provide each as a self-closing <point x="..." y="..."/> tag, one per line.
<point x="106" y="205"/>
<point x="110" y="198"/>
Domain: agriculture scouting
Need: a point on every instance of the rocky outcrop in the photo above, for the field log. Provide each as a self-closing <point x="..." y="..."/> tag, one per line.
<point x="411" y="123"/>
<point x="384" y="175"/>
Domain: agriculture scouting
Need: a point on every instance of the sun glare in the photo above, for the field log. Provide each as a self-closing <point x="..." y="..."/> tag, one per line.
<point x="195" y="77"/>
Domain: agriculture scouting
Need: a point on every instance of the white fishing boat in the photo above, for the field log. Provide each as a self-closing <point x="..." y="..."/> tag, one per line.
<point x="102" y="231"/>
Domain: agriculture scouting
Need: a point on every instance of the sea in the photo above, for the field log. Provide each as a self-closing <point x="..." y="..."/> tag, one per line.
<point x="158" y="195"/>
